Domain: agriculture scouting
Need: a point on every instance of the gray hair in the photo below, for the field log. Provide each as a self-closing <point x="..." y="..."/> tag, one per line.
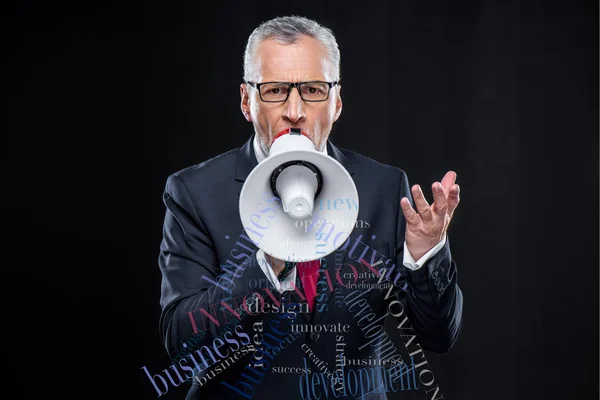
<point x="288" y="30"/>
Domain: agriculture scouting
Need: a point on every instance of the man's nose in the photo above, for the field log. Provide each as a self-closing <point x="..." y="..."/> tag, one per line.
<point x="294" y="107"/>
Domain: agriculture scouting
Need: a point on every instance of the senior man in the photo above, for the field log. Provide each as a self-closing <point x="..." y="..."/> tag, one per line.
<point x="291" y="80"/>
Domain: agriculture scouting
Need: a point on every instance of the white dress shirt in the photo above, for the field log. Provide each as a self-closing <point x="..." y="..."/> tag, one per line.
<point x="287" y="284"/>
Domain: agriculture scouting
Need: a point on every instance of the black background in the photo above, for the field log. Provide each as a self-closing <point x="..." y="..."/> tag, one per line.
<point x="104" y="100"/>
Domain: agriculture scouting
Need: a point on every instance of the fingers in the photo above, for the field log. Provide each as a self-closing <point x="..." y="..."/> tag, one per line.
<point x="440" y="204"/>
<point x="421" y="203"/>
<point x="453" y="198"/>
<point x="410" y="215"/>
<point x="445" y="198"/>
<point x="448" y="180"/>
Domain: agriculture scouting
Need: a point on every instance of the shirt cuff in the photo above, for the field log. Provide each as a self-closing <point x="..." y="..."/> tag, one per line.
<point x="410" y="263"/>
<point x="286" y="284"/>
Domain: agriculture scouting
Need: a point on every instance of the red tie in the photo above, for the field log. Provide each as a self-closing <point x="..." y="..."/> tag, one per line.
<point x="309" y="275"/>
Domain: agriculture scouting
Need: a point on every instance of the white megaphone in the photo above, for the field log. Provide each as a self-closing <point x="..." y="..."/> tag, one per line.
<point x="306" y="200"/>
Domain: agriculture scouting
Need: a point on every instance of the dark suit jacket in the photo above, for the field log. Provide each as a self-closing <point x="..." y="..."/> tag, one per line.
<point x="201" y="227"/>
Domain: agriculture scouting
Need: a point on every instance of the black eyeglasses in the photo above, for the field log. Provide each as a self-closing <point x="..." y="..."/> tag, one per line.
<point x="278" y="92"/>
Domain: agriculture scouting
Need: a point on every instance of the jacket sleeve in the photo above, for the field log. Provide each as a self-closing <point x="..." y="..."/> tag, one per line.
<point x="188" y="264"/>
<point x="431" y="296"/>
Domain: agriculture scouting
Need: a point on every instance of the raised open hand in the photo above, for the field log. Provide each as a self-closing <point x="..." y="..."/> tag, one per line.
<point x="427" y="226"/>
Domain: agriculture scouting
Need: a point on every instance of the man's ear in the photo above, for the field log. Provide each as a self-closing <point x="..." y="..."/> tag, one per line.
<point x="245" y="103"/>
<point x="338" y="103"/>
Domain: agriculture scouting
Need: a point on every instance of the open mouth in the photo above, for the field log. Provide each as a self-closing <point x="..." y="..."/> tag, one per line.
<point x="291" y="131"/>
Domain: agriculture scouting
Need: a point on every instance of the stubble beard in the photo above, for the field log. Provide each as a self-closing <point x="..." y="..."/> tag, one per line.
<point x="263" y="146"/>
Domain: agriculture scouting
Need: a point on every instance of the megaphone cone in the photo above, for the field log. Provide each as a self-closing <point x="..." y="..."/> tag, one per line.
<point x="297" y="227"/>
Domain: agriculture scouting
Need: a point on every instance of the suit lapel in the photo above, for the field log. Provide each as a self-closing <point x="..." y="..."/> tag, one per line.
<point x="246" y="160"/>
<point x="335" y="153"/>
